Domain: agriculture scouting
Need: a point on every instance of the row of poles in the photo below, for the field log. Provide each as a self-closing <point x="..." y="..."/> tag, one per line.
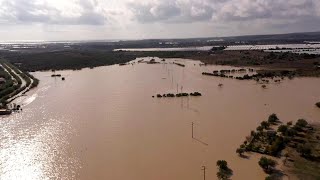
<point x="203" y="168"/>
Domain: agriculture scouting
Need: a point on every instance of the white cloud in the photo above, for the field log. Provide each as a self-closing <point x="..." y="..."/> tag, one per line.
<point x="35" y="11"/>
<point x="158" y="18"/>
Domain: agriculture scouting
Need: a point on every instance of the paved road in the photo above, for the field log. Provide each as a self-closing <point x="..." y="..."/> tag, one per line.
<point x="23" y="83"/>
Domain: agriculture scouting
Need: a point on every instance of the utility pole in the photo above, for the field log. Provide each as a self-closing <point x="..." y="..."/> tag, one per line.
<point x="192" y="130"/>
<point x="204" y="172"/>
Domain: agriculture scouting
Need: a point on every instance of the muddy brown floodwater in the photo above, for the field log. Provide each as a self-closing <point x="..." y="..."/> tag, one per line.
<point x="103" y="123"/>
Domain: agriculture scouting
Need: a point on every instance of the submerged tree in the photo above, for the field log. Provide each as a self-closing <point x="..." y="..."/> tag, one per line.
<point x="224" y="171"/>
<point x="283" y="129"/>
<point x="267" y="164"/>
<point x="259" y="128"/>
<point x="240" y="151"/>
<point x="273" y="118"/>
<point x="304" y="150"/>
<point x="301" y="123"/>
<point x="265" y="124"/>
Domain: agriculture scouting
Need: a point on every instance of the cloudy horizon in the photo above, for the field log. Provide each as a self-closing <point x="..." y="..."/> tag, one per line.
<point x="56" y="20"/>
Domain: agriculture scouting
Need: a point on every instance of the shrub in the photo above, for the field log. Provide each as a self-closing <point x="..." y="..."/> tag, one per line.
<point x="265" y="124"/>
<point x="224" y="171"/>
<point x="283" y="129"/>
<point x="259" y="128"/>
<point x="301" y="123"/>
<point x="304" y="150"/>
<point x="267" y="164"/>
<point x="277" y="146"/>
<point x="240" y="151"/>
<point x="273" y="118"/>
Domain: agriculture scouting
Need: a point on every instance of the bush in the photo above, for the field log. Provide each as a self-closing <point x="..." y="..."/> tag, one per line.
<point x="318" y="104"/>
<point x="240" y="151"/>
<point x="259" y="128"/>
<point x="277" y="146"/>
<point x="273" y="177"/>
<point x="304" y="150"/>
<point x="301" y="123"/>
<point x="273" y="118"/>
<point x="283" y="129"/>
<point x="267" y="164"/>
<point x="265" y="124"/>
<point x="224" y="171"/>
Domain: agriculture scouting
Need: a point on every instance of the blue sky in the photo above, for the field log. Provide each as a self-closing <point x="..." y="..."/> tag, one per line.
<point x="143" y="19"/>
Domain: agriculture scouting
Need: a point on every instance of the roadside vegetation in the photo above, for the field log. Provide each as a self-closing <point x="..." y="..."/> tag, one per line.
<point x="13" y="84"/>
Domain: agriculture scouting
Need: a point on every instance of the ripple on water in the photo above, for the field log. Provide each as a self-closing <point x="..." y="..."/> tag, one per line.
<point x="36" y="148"/>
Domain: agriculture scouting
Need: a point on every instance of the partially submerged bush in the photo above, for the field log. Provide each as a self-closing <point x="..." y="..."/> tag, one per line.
<point x="301" y="123"/>
<point x="267" y="164"/>
<point x="273" y="118"/>
<point x="224" y="171"/>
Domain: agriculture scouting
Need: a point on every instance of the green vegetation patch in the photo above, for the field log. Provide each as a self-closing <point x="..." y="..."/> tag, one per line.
<point x="299" y="143"/>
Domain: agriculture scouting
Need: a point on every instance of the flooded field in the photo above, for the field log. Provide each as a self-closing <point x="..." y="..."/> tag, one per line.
<point x="103" y="123"/>
<point x="294" y="48"/>
<point x="200" y="48"/>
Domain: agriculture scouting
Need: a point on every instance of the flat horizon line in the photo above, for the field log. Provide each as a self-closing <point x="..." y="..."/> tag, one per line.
<point x="142" y="39"/>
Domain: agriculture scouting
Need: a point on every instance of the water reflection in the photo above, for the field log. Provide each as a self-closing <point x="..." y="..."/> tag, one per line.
<point x="34" y="145"/>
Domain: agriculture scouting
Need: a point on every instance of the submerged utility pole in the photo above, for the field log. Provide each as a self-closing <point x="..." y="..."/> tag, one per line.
<point x="204" y="172"/>
<point x="192" y="130"/>
<point x="177" y="88"/>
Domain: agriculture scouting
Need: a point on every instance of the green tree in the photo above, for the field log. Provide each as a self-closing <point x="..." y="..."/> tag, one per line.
<point x="304" y="150"/>
<point x="222" y="164"/>
<point x="265" y="124"/>
<point x="301" y="123"/>
<point x="260" y="128"/>
<point x="224" y="171"/>
<point x="240" y="151"/>
<point x="273" y="118"/>
<point x="276" y="146"/>
<point x="283" y="129"/>
<point x="267" y="164"/>
<point x="291" y="132"/>
<point x="222" y="175"/>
